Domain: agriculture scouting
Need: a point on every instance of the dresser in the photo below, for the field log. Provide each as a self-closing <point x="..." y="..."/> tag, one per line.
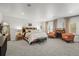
<point x="3" y="46"/>
<point x="59" y="32"/>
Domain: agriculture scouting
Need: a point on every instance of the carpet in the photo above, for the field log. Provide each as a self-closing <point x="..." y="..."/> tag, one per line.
<point x="52" y="47"/>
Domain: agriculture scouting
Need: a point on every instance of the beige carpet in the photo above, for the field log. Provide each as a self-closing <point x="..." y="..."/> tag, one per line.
<point x="52" y="47"/>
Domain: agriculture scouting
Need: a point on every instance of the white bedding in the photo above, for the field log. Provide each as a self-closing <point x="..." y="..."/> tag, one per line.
<point x="35" y="36"/>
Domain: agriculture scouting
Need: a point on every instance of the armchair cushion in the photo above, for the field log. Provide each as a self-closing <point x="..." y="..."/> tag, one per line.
<point x="52" y="34"/>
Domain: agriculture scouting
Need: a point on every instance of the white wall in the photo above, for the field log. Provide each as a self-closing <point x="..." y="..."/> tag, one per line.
<point x="60" y="23"/>
<point x="17" y="23"/>
<point x="1" y="18"/>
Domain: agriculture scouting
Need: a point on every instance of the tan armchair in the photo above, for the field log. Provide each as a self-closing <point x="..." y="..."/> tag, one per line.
<point x="69" y="37"/>
<point x="52" y="34"/>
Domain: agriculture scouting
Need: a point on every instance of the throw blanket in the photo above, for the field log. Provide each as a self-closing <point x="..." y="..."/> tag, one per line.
<point x="35" y="36"/>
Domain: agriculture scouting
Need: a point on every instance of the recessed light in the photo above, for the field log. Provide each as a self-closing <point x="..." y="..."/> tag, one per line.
<point x="70" y="11"/>
<point x="22" y="13"/>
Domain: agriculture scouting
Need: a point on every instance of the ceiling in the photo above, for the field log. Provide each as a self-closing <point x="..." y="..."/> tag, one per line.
<point x="39" y="11"/>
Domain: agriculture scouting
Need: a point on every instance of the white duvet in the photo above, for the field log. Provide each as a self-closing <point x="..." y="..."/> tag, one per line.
<point x="35" y="36"/>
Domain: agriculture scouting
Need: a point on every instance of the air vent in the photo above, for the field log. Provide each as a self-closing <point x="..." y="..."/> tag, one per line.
<point x="29" y="5"/>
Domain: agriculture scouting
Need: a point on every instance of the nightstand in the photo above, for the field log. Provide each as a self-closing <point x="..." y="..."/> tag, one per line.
<point x="19" y="36"/>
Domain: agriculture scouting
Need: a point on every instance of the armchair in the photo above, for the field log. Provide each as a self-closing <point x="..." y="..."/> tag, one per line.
<point x="52" y="34"/>
<point x="69" y="37"/>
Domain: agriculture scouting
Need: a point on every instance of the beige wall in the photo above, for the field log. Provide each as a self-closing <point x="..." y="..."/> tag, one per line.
<point x="71" y="24"/>
<point x="74" y="25"/>
<point x="47" y="26"/>
<point x="67" y="24"/>
<point x="44" y="26"/>
<point x="55" y="24"/>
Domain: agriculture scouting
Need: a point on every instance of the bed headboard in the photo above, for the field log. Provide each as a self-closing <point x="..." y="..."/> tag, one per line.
<point x="29" y="29"/>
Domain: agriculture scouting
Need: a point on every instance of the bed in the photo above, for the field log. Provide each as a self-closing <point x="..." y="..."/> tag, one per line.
<point x="36" y="37"/>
